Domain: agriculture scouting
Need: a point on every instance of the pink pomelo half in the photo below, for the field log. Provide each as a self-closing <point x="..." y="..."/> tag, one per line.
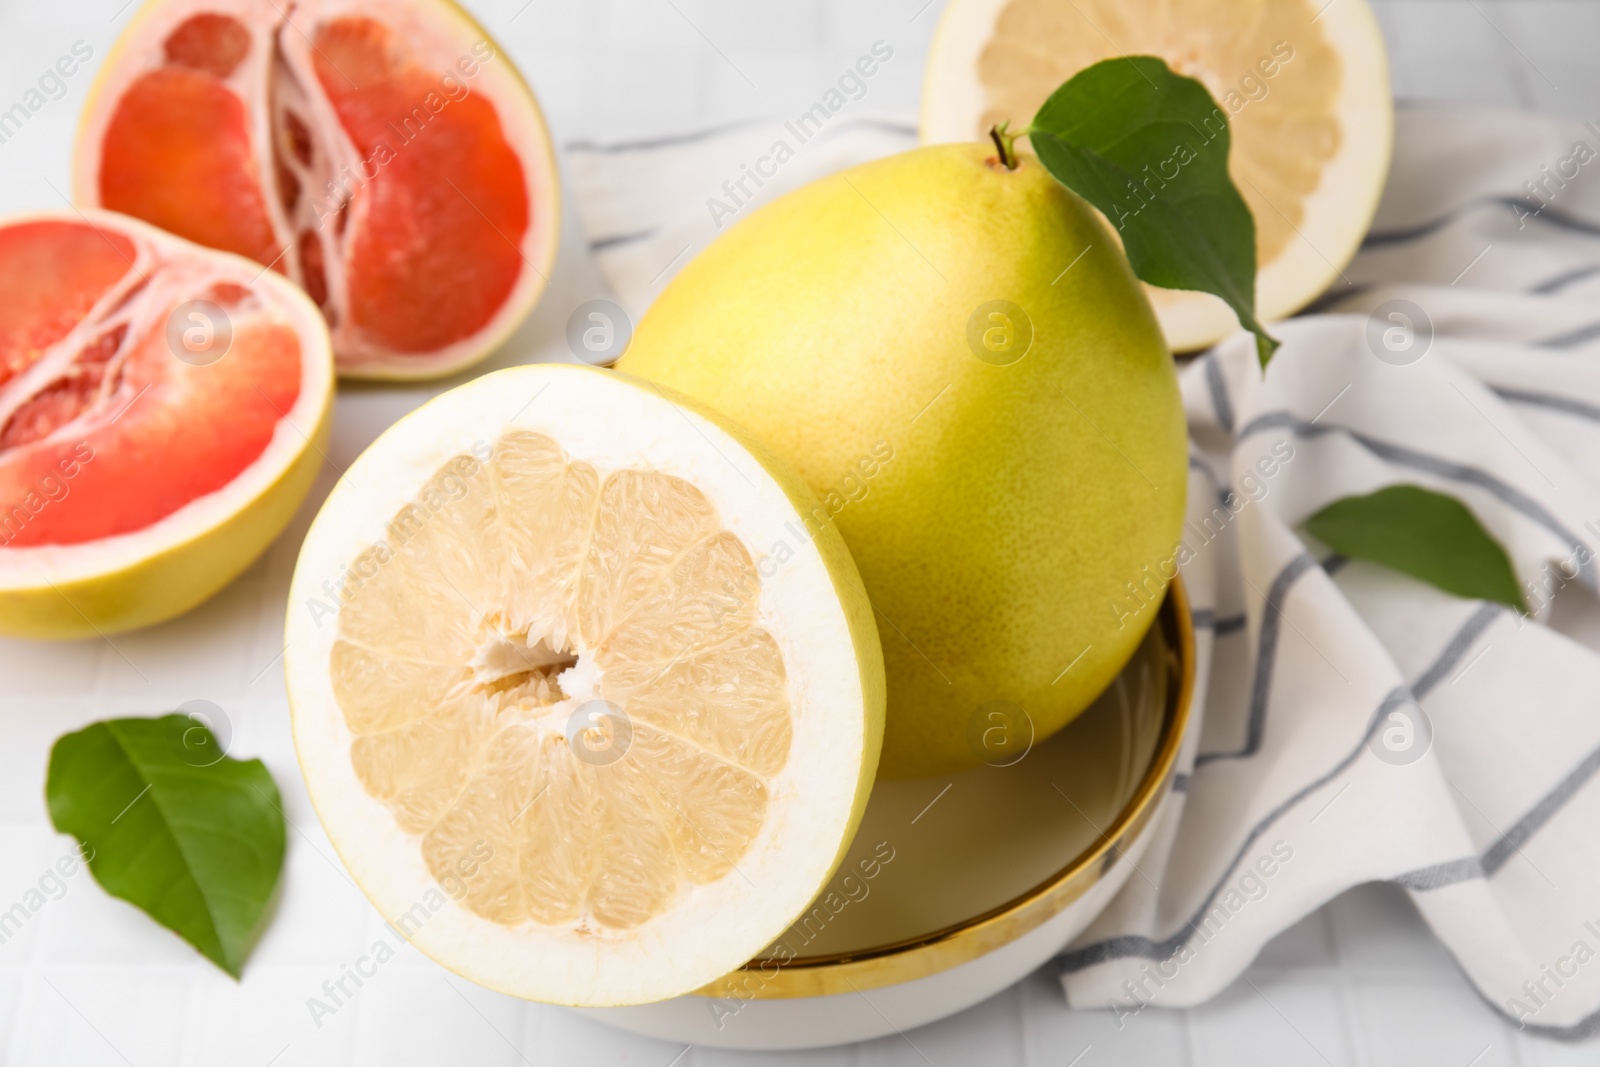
<point x="384" y="154"/>
<point x="162" y="412"/>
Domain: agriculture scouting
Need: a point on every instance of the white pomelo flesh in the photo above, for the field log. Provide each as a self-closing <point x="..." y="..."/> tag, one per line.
<point x="525" y="546"/>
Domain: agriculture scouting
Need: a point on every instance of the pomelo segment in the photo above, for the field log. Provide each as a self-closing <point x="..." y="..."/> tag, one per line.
<point x="1304" y="85"/>
<point x="586" y="689"/>
<point x="385" y="155"/>
<point x="162" y="411"/>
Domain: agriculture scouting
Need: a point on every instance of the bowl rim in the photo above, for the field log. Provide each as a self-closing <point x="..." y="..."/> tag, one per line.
<point x="938" y="950"/>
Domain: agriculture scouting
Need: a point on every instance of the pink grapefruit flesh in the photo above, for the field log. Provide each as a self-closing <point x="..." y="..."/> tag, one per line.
<point x="121" y="447"/>
<point x="384" y="155"/>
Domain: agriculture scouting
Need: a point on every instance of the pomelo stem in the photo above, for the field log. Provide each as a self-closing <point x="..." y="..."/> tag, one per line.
<point x="1003" y="141"/>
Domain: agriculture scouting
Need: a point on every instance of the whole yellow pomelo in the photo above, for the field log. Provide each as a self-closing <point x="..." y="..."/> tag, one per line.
<point x="959" y="361"/>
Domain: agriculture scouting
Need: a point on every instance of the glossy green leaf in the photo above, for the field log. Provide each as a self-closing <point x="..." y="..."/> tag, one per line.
<point x="199" y="848"/>
<point x="1149" y="148"/>
<point x="1424" y="534"/>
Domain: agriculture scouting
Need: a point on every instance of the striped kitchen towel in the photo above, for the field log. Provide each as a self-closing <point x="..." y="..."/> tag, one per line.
<point x="1351" y="724"/>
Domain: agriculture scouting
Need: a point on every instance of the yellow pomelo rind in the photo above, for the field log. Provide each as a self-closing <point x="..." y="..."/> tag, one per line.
<point x="1020" y="500"/>
<point x="177" y="579"/>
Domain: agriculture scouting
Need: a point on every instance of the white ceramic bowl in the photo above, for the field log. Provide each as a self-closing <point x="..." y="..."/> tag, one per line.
<point x="957" y="887"/>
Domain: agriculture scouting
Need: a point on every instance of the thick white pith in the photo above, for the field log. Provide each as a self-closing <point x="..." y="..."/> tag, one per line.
<point x="614" y="424"/>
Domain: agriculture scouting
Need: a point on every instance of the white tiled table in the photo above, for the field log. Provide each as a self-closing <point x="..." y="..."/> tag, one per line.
<point x="88" y="981"/>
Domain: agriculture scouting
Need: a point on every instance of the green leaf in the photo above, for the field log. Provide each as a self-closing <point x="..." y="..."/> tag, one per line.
<point x="1149" y="148"/>
<point x="199" y="848"/>
<point x="1424" y="534"/>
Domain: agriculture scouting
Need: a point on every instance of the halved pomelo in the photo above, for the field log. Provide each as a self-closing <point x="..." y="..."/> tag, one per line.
<point x="385" y="154"/>
<point x="586" y="689"/>
<point x="163" y="408"/>
<point x="1304" y="84"/>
